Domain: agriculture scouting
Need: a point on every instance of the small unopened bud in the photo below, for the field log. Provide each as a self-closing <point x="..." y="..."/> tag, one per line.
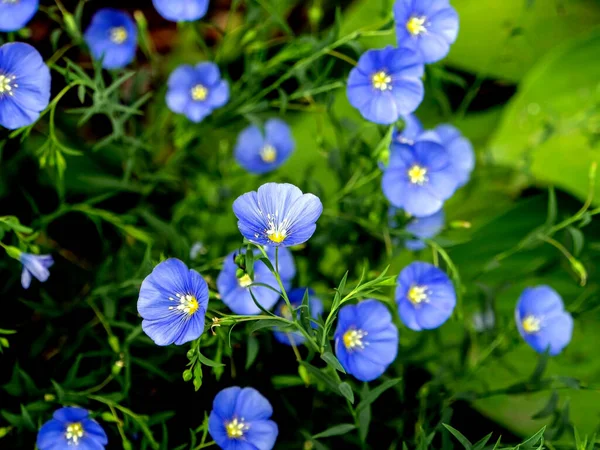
<point x="460" y="224"/>
<point x="239" y="273"/>
<point x="187" y="375"/>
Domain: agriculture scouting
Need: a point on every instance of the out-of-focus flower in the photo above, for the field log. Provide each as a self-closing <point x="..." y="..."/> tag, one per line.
<point x="386" y="84"/>
<point x="284" y="264"/>
<point x="427" y="26"/>
<point x="173" y="301"/>
<point x="424" y="228"/>
<point x="411" y="131"/>
<point x="296" y="296"/>
<point x="24" y="85"/>
<point x="542" y="320"/>
<point x="35" y="266"/>
<point x="71" y="428"/>
<point x="15" y="14"/>
<point x="240" y="420"/>
<point x="181" y="10"/>
<point x="425" y="296"/>
<point x="366" y="339"/>
<point x="278" y="214"/>
<point x="197" y="249"/>
<point x="196" y="91"/>
<point x="261" y="153"/>
<point x="419" y="177"/>
<point x="112" y="38"/>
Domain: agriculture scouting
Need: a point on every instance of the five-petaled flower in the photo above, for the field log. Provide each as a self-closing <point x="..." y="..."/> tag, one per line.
<point x="366" y="339"/>
<point x="196" y="91"/>
<point x="542" y="320"/>
<point x="35" y="266"/>
<point x="428" y="27"/>
<point x="419" y="177"/>
<point x="240" y="420"/>
<point x="112" y="38"/>
<point x="24" y="85"/>
<point x="295" y="297"/>
<point x="237" y="293"/>
<point x="386" y="84"/>
<point x="425" y="296"/>
<point x="261" y="153"/>
<point x="173" y="301"/>
<point x="278" y="214"/>
<point x="71" y="428"/>
<point x="15" y="14"/>
<point x="181" y="10"/>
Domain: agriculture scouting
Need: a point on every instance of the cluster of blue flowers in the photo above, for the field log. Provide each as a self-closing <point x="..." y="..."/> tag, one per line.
<point x="425" y="168"/>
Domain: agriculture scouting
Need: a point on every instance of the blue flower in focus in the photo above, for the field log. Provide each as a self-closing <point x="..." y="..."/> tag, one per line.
<point x="366" y="339"/>
<point x="240" y="420"/>
<point x="196" y="91"/>
<point x="419" y="177"/>
<point x="36" y="266"/>
<point x="173" y="301"/>
<point x="235" y="292"/>
<point x="542" y="320"/>
<point x="24" y="85"/>
<point x="427" y="26"/>
<point x="181" y="10"/>
<point x="459" y="149"/>
<point x="424" y="228"/>
<point x="258" y="153"/>
<point x="286" y="265"/>
<point x="71" y="428"/>
<point x="425" y="296"/>
<point x="15" y="14"/>
<point x="279" y="214"/>
<point x="411" y="132"/>
<point x="112" y="38"/>
<point x="296" y="296"/>
<point x="386" y="84"/>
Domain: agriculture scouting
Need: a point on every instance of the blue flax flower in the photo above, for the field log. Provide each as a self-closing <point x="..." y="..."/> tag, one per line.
<point x="424" y="228"/>
<point x="196" y="91"/>
<point x="173" y="301"/>
<point x="36" y="266"/>
<point x="240" y="420"/>
<point x="386" y="84"/>
<point x="181" y="10"/>
<point x="15" y="14"/>
<point x="279" y="214"/>
<point x="261" y="153"/>
<point x="287" y="266"/>
<point x="419" y="177"/>
<point x="296" y="296"/>
<point x="426" y="26"/>
<point x="24" y="85"/>
<point x="459" y="149"/>
<point x="70" y="428"/>
<point x="235" y="292"/>
<point x="366" y="339"/>
<point x="411" y="131"/>
<point x="425" y="296"/>
<point x="112" y="38"/>
<point x="542" y="320"/>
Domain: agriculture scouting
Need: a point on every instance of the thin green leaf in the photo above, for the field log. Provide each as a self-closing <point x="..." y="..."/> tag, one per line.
<point x="337" y="430"/>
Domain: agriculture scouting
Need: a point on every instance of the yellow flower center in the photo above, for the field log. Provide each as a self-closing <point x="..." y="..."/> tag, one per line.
<point x="268" y="153"/>
<point x="531" y="324"/>
<point x="245" y="281"/>
<point x="74" y="433"/>
<point x="354" y="338"/>
<point x="118" y="35"/>
<point x="382" y="81"/>
<point x="416" y="25"/>
<point x="235" y="428"/>
<point x="417" y="174"/>
<point x="417" y="294"/>
<point x="199" y="93"/>
<point x="7" y="84"/>
<point x="188" y="304"/>
<point x="277" y="230"/>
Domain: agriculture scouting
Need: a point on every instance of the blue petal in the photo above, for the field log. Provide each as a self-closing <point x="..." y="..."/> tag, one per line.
<point x="372" y="316"/>
<point x="94" y="429"/>
<point x="555" y="334"/>
<point x="87" y="442"/>
<point x="178" y="100"/>
<point x="219" y="95"/>
<point x="70" y="414"/>
<point x="539" y="301"/>
<point x="412" y="129"/>
<point x="362" y="368"/>
<point x="408" y="314"/>
<point x="303" y="214"/>
<point x="426" y="227"/>
<point x="37" y="265"/>
<point x="97" y="37"/>
<point x="408" y="95"/>
<point x="181" y="10"/>
<point x="251" y="222"/>
<point x="183" y="77"/>
<point x="166" y="331"/>
<point x="252" y="406"/>
<point x="207" y="73"/>
<point x="197" y="111"/>
<point x="51" y="433"/>
<point x="247" y="150"/>
<point x="262" y="434"/>
<point x="224" y="404"/>
<point x="279" y="135"/>
<point x="419" y="201"/>
<point x="216" y="426"/>
<point x="394" y="185"/>
<point x="25" y="278"/>
<point x="14" y="16"/>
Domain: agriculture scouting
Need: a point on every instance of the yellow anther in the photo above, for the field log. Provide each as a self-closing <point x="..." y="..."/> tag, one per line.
<point x="382" y="81"/>
<point x="417" y="294"/>
<point x="199" y="93"/>
<point x="417" y="174"/>
<point x="416" y="25"/>
<point x="118" y="35"/>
